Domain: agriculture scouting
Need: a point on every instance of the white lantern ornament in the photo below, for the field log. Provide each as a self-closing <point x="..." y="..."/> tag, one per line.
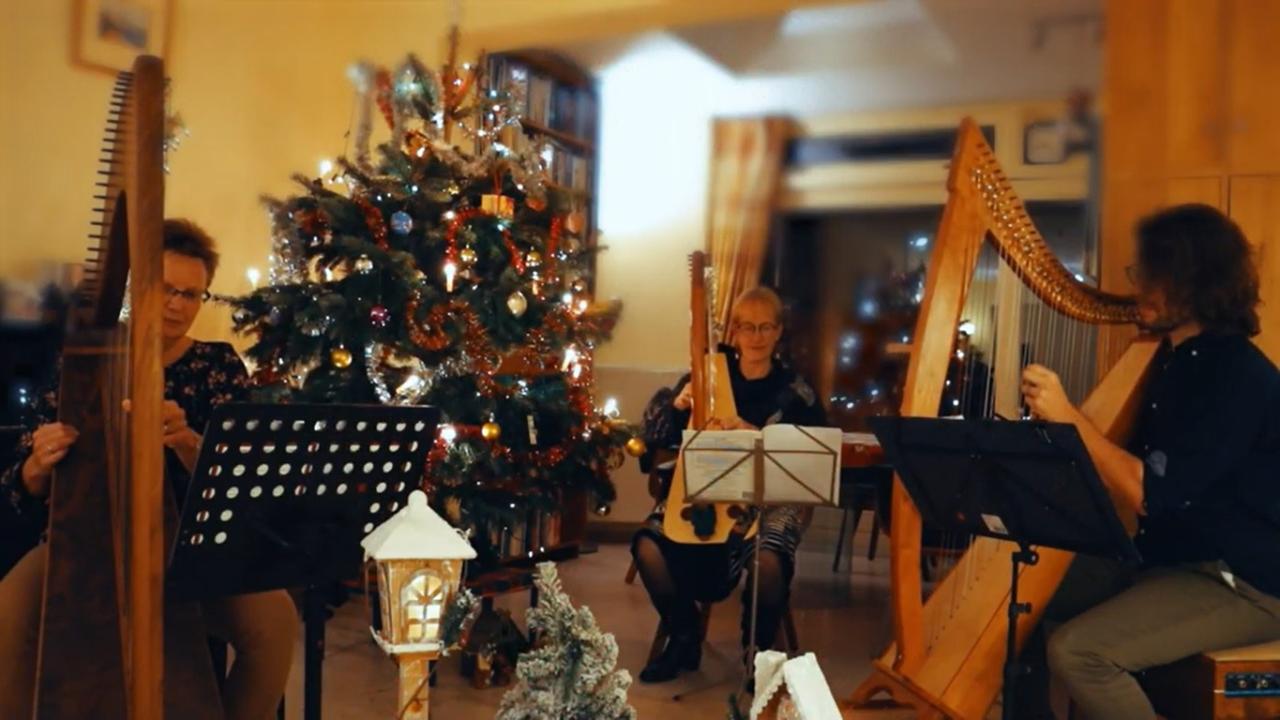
<point x="419" y="560"/>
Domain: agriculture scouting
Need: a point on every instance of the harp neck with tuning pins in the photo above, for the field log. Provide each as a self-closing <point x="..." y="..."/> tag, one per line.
<point x="992" y="271"/>
<point x="109" y="648"/>
<point x="684" y="521"/>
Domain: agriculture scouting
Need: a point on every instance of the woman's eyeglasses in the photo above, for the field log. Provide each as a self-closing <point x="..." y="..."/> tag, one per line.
<point x="187" y="296"/>
<point x="747" y="328"/>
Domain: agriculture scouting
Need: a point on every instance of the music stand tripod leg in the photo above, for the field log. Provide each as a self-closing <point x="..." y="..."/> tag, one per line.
<point x="1013" y="668"/>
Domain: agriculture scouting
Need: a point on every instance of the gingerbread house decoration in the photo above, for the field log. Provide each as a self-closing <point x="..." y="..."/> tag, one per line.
<point x="792" y="689"/>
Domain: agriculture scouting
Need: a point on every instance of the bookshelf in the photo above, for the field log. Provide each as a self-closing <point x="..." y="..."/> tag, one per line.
<point x="560" y="118"/>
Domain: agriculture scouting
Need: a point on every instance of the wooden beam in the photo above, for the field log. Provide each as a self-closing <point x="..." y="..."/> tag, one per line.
<point x="630" y="19"/>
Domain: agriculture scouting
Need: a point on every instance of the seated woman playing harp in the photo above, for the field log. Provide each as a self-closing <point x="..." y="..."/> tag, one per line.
<point x="1199" y="471"/>
<point x="197" y="376"/>
<point x="676" y="575"/>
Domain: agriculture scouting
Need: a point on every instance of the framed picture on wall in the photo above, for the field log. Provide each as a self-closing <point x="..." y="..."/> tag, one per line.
<point x="1044" y="143"/>
<point x="107" y="35"/>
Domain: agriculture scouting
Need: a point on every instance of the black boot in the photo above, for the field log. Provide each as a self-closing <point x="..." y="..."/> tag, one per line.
<point x="682" y="653"/>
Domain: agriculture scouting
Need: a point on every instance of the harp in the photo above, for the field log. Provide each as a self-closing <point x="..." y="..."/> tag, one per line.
<point x="104" y="632"/>
<point x="684" y="521"/>
<point x="992" y="273"/>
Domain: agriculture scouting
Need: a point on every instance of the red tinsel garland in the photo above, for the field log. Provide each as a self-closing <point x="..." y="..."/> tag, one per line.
<point x="373" y="220"/>
<point x="382" y="81"/>
<point x="536" y="353"/>
<point x="553" y="243"/>
<point x="466" y="215"/>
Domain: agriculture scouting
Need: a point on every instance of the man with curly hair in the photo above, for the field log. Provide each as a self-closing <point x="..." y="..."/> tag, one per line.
<point x="1200" y="471"/>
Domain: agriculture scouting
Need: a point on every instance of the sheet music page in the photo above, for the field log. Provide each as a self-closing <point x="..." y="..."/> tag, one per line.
<point x="805" y="462"/>
<point x="709" y="454"/>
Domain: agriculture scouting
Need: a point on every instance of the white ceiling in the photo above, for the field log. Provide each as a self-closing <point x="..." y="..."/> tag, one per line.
<point x="890" y="53"/>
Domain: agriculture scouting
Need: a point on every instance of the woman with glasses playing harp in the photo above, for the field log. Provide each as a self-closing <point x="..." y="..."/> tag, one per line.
<point x="679" y="575"/>
<point x="198" y="376"/>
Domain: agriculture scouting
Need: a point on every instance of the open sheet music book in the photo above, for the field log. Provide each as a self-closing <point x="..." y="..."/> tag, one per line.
<point x="800" y="465"/>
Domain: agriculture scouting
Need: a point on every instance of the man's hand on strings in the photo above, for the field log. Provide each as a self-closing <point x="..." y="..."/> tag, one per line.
<point x="1043" y="390"/>
<point x="49" y="444"/>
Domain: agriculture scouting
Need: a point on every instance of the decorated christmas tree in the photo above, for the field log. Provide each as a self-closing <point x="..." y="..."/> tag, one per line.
<point x="569" y="674"/>
<point x="444" y="269"/>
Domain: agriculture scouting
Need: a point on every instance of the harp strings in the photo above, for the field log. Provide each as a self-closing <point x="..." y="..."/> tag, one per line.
<point x="1039" y="334"/>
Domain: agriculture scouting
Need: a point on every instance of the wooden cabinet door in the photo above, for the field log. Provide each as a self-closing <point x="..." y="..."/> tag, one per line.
<point x="1166" y="88"/>
<point x="1255" y="205"/>
<point x="1254" y="87"/>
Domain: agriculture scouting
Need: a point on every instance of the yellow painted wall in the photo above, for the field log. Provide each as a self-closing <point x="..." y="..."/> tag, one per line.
<point x="261" y="85"/>
<point x="50" y="123"/>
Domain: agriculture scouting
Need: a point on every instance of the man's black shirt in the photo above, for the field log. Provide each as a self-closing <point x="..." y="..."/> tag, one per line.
<point x="1208" y="434"/>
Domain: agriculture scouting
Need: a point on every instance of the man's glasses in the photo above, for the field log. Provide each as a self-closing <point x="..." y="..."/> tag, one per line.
<point x="747" y="328"/>
<point x="187" y="296"/>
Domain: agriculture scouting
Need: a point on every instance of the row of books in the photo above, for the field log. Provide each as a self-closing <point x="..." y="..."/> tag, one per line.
<point x="566" y="167"/>
<point x="561" y="107"/>
<point x="527" y="537"/>
<point x="569" y="169"/>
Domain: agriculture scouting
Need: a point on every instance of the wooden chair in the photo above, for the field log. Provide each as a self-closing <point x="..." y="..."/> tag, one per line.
<point x="1233" y="684"/>
<point x="860" y="491"/>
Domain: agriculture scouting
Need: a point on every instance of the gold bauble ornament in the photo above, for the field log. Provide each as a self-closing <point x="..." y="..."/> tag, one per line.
<point x="533" y="259"/>
<point x="517" y="303"/>
<point x="636" y="446"/>
<point x="340" y="357"/>
<point x="490" y="431"/>
<point x="467" y="256"/>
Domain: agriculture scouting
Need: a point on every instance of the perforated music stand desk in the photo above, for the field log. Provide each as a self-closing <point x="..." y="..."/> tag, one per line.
<point x="1031" y="483"/>
<point x="282" y="495"/>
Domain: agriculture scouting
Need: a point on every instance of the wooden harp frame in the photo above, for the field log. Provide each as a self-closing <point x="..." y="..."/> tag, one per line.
<point x="712" y="398"/>
<point x="109" y="647"/>
<point x="958" y="674"/>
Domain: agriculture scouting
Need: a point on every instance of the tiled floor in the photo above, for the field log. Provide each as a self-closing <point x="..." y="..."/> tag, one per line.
<point x="842" y="617"/>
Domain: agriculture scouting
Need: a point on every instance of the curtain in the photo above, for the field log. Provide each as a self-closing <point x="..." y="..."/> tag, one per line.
<point x="746" y="169"/>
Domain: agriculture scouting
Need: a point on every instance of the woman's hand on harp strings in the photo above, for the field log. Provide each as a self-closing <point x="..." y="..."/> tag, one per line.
<point x="178" y="436"/>
<point x="1043" y="390"/>
<point x="49" y="444"/>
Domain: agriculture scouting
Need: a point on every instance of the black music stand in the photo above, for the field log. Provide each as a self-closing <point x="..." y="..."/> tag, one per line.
<point x="763" y="493"/>
<point x="281" y="497"/>
<point x="1031" y="483"/>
